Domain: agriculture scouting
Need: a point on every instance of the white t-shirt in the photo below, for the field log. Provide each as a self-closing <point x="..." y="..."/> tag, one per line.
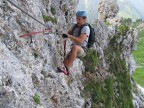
<point x="85" y="30"/>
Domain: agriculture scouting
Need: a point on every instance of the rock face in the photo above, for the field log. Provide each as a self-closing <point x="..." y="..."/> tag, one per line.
<point x="108" y="9"/>
<point x="27" y="68"/>
<point x="108" y="12"/>
<point x="28" y="76"/>
<point x="139" y="97"/>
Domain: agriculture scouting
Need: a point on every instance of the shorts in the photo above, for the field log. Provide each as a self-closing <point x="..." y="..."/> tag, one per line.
<point x="81" y="54"/>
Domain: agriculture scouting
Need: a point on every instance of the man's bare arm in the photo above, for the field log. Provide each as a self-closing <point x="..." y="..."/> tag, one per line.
<point x="78" y="40"/>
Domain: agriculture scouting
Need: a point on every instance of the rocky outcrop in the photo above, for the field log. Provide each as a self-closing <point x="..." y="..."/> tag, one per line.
<point x="138" y="97"/>
<point x="108" y="9"/>
<point x="128" y="40"/>
<point x="140" y="27"/>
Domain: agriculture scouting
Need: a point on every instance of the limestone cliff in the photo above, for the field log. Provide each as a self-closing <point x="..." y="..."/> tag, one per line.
<point x="28" y="77"/>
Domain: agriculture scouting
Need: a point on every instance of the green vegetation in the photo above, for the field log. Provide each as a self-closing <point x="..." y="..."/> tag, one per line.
<point x="104" y="95"/>
<point x="36" y="98"/>
<point x="119" y="69"/>
<point x="35" y="55"/>
<point x="138" y="54"/>
<point x="129" y="22"/>
<point x="107" y="23"/>
<point x="122" y="29"/>
<point x="139" y="57"/>
<point x="126" y="21"/>
<point x="90" y="60"/>
<point x="114" y="91"/>
<point x="101" y="93"/>
<point x="53" y="10"/>
<point x="49" y="18"/>
<point x="137" y="23"/>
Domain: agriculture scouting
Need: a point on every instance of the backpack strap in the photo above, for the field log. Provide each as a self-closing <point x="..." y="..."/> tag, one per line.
<point x="75" y="26"/>
<point x="86" y="24"/>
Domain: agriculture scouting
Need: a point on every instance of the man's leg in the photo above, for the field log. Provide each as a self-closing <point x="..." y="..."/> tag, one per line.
<point x="68" y="62"/>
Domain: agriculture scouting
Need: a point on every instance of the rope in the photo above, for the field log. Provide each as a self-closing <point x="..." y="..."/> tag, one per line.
<point x="32" y="33"/>
<point x="26" y="13"/>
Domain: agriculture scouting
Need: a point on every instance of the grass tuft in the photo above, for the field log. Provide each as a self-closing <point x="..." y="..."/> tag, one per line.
<point x="90" y="60"/>
<point x="36" y="98"/>
<point x="49" y="18"/>
<point x="53" y="10"/>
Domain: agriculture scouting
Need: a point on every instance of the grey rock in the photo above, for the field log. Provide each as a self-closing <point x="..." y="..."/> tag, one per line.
<point x="107" y="9"/>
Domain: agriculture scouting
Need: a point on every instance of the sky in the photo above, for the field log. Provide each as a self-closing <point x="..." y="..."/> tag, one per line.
<point x="128" y="8"/>
<point x="139" y="6"/>
<point x="131" y="8"/>
<point x="91" y="7"/>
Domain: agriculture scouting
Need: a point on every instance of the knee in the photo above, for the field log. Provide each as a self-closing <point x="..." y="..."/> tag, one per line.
<point x="75" y="48"/>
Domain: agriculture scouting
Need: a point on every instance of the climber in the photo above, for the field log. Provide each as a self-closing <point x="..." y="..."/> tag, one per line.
<point x="79" y="41"/>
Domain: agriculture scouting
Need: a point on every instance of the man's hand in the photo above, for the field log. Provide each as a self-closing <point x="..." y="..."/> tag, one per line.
<point x="65" y="35"/>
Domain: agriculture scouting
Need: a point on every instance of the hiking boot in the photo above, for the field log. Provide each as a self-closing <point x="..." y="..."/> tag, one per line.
<point x="63" y="70"/>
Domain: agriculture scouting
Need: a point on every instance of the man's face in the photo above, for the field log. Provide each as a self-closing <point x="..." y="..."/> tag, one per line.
<point x="80" y="20"/>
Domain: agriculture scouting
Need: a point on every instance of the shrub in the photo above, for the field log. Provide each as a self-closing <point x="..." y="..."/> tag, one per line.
<point x="53" y="10"/>
<point x="36" y="98"/>
<point x="107" y="23"/>
<point x="49" y="18"/>
<point x="139" y="20"/>
<point x="123" y="29"/>
<point x="100" y="92"/>
<point x="114" y="91"/>
<point x="35" y="55"/>
<point x="90" y="60"/>
<point x="127" y="21"/>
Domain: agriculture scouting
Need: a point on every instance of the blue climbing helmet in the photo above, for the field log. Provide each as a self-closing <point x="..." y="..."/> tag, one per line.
<point x="81" y="13"/>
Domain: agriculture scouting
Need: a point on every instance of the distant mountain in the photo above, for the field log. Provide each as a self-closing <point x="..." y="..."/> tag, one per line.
<point x="127" y="8"/>
<point x="131" y="9"/>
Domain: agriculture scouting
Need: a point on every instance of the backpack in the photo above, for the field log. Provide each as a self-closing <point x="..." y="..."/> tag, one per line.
<point x="91" y="39"/>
